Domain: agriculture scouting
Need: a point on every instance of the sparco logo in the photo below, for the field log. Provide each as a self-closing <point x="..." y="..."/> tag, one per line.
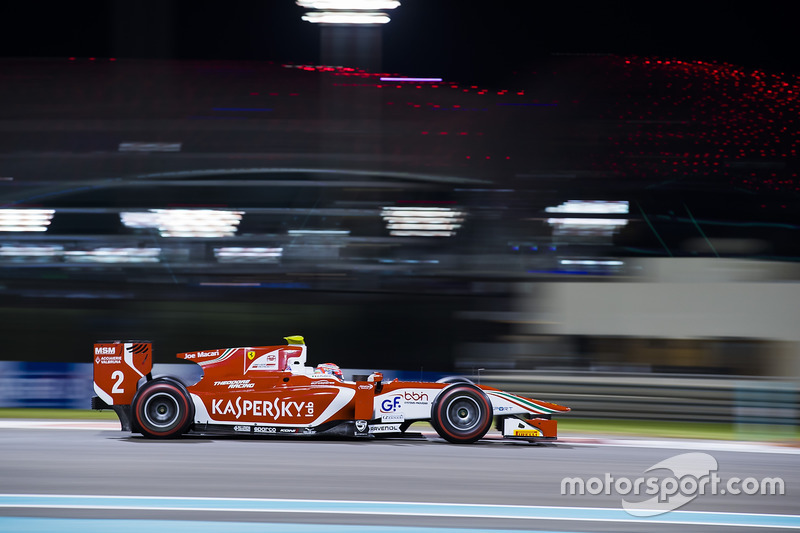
<point x="276" y="408"/>
<point x="411" y="396"/>
<point x="104" y="350"/>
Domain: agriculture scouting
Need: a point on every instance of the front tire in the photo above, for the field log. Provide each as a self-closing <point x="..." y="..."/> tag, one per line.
<point x="162" y="409"/>
<point x="461" y="413"/>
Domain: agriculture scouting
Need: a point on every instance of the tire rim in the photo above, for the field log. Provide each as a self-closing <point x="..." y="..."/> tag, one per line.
<point x="464" y="413"/>
<point x="161" y="410"/>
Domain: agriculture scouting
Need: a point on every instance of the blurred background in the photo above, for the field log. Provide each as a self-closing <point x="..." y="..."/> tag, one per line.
<point x="592" y="205"/>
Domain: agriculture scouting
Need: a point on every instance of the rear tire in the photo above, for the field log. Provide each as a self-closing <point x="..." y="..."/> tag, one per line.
<point x="162" y="409"/>
<point x="461" y="413"/>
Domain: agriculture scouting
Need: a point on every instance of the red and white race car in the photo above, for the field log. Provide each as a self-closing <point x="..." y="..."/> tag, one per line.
<point x="269" y="390"/>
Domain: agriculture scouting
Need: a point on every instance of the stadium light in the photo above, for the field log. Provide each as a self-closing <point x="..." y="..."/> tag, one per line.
<point x="370" y="12"/>
<point x="422" y="221"/>
<point x="240" y="254"/>
<point x="598" y="207"/>
<point x="206" y="223"/>
<point x="354" y="5"/>
<point x="25" y="219"/>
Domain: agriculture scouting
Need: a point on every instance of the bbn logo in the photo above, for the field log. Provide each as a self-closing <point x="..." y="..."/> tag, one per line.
<point x="415" y="396"/>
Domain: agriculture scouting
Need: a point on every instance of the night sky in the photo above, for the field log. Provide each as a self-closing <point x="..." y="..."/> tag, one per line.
<point x="460" y="40"/>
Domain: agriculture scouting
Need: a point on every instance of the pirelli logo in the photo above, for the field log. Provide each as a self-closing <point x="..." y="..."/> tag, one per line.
<point x="527" y="433"/>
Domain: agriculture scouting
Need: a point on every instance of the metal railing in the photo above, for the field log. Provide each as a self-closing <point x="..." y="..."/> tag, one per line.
<point x="659" y="397"/>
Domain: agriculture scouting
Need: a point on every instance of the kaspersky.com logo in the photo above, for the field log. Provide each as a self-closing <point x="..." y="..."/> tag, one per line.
<point x="693" y="474"/>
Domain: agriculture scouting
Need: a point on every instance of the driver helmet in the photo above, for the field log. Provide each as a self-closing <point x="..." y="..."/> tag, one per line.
<point x="329" y="369"/>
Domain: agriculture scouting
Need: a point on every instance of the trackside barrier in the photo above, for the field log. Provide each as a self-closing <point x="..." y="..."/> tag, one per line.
<point x="63" y="385"/>
<point x="745" y="402"/>
<point x="50" y="385"/>
<point x="658" y="397"/>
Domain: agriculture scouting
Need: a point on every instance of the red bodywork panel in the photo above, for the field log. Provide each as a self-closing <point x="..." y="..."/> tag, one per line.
<point x="118" y="366"/>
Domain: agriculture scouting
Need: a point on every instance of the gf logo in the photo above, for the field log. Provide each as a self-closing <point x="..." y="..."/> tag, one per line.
<point x="251" y="355"/>
<point x="390" y="405"/>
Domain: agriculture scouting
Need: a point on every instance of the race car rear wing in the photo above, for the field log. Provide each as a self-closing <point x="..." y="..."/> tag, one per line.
<point x="118" y="367"/>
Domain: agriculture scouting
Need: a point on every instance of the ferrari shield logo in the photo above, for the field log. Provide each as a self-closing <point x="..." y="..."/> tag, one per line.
<point x="251" y="355"/>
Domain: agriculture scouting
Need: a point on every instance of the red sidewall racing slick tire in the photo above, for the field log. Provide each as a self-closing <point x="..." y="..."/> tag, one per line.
<point x="162" y="409"/>
<point x="461" y="413"/>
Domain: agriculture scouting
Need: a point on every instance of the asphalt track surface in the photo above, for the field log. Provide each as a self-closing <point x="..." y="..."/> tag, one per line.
<point x="99" y="479"/>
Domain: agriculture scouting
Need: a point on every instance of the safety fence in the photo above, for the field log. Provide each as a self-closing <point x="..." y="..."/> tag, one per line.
<point x="659" y="397"/>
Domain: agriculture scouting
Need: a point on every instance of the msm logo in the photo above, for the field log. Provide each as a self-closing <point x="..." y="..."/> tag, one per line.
<point x="104" y="350"/>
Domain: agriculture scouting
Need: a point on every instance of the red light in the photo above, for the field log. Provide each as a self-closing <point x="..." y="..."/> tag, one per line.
<point x="91" y="59"/>
<point x="72" y="59"/>
<point x="112" y="58"/>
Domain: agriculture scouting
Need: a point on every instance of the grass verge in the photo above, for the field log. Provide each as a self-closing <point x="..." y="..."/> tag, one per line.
<point x="58" y="414"/>
<point x="686" y="430"/>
